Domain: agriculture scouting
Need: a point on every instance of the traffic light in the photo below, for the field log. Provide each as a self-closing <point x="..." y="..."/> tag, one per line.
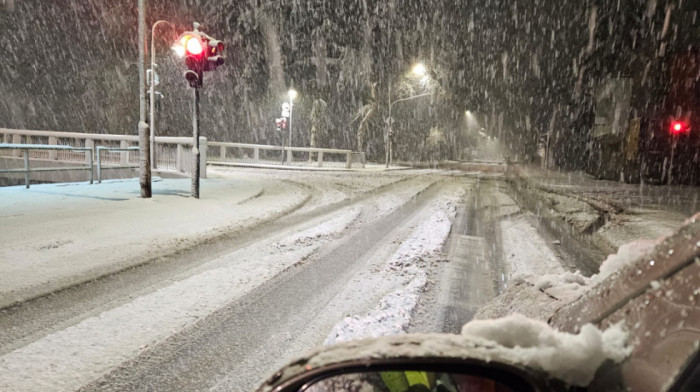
<point x="202" y="53"/>
<point x="678" y="127"/>
<point x="281" y="123"/>
<point x="214" y="57"/>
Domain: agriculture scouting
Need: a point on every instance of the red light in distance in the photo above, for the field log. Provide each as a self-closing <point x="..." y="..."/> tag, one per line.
<point x="679" y="127"/>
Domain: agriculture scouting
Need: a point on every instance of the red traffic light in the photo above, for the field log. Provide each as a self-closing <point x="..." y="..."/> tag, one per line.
<point x="194" y="46"/>
<point x="201" y="52"/>
<point x="678" y="127"/>
<point x="189" y="44"/>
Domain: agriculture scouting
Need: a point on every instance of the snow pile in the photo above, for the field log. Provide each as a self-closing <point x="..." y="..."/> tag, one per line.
<point x="390" y="318"/>
<point x="540" y="295"/>
<point x="627" y="254"/>
<point x="566" y="287"/>
<point x="571" y="358"/>
<point x="425" y="242"/>
<point x="393" y="314"/>
<point x="569" y="286"/>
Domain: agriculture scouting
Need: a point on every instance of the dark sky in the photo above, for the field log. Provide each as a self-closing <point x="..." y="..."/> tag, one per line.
<point x="71" y="64"/>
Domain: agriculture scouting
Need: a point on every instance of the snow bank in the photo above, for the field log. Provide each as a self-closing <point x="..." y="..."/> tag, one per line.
<point x="541" y="295"/>
<point x="391" y="317"/>
<point x="566" y="287"/>
<point x="571" y="358"/>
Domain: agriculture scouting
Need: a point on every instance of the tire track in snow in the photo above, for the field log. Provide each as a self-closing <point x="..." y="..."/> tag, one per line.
<point x="249" y="335"/>
<point x="67" y="359"/>
<point x="32" y="320"/>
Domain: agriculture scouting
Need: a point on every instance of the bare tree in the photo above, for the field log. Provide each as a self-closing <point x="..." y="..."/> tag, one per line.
<point x="364" y="114"/>
<point x="318" y="122"/>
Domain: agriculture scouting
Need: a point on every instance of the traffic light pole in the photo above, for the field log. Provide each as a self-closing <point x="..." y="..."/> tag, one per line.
<point x="195" y="144"/>
<point x="203" y="53"/>
<point x="670" y="164"/>
<point x="291" y="108"/>
<point x="284" y="150"/>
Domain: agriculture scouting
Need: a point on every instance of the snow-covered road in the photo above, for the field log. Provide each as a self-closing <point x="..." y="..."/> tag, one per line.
<point x="174" y="293"/>
<point x="69" y="339"/>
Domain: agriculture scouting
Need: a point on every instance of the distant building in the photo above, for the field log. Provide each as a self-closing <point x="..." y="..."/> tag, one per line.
<point x="644" y="80"/>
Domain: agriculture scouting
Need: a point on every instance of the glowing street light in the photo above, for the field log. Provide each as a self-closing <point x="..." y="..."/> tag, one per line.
<point x="419" y="70"/>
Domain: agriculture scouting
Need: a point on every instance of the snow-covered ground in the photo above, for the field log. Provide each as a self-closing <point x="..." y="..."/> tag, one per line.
<point x="74" y="356"/>
<point x="67" y="359"/>
<point x="55" y="236"/>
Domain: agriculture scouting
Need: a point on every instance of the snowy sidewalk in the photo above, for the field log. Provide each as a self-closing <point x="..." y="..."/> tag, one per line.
<point x="615" y="213"/>
<point x="58" y="235"/>
<point x="684" y="199"/>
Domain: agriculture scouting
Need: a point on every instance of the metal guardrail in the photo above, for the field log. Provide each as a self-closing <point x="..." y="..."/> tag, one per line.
<point x="223" y="155"/>
<point x="174" y="153"/>
<point x="26" y="170"/>
<point x="99" y="150"/>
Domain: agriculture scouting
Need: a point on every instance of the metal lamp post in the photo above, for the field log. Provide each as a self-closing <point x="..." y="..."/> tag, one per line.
<point x="144" y="154"/>
<point x="152" y="120"/>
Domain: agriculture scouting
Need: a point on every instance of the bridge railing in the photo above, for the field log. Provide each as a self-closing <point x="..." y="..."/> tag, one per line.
<point x="25" y="149"/>
<point x="173" y="154"/>
<point x="221" y="152"/>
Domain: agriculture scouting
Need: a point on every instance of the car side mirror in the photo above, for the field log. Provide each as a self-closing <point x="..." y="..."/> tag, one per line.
<point x="415" y="378"/>
<point x="414" y="374"/>
<point x="406" y="381"/>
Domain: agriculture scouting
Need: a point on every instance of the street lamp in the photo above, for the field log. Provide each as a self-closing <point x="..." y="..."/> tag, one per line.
<point x="417" y="70"/>
<point x="153" y="88"/>
<point x="292" y="94"/>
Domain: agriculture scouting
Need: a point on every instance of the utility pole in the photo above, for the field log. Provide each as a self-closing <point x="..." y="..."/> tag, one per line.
<point x="144" y="146"/>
